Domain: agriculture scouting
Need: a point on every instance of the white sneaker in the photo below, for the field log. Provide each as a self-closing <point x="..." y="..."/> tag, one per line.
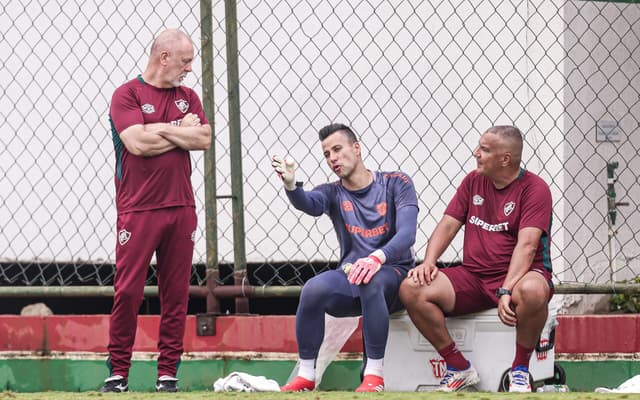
<point x="455" y="380"/>
<point x="519" y="380"/>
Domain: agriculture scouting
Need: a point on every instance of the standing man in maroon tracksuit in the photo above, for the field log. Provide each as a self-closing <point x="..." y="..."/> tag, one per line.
<point x="155" y="122"/>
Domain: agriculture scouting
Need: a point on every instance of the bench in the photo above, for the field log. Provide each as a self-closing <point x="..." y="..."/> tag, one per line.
<point x="412" y="364"/>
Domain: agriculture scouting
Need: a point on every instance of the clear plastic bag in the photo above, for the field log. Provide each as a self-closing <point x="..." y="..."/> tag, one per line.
<point x="336" y="333"/>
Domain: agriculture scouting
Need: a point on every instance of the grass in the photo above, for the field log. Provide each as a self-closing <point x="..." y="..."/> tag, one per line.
<point x="311" y="396"/>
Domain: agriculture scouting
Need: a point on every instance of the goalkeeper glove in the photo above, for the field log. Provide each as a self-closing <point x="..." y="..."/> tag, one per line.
<point x="363" y="270"/>
<point x="285" y="168"/>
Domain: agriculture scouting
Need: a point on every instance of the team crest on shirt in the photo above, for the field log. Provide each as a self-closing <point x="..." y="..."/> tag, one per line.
<point x="148" y="108"/>
<point x="382" y="208"/>
<point x="182" y="105"/>
<point x="477" y="200"/>
<point x="347" y="205"/>
<point x="508" y="208"/>
<point x="123" y="237"/>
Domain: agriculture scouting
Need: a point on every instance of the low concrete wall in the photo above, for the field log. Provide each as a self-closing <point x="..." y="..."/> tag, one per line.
<point x="68" y="353"/>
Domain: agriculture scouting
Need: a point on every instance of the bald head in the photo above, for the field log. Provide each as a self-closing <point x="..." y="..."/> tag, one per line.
<point x="168" y="41"/>
<point x="511" y="138"/>
<point x="170" y="59"/>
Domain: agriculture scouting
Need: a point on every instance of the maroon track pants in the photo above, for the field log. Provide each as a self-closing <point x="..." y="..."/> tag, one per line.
<point x="169" y="232"/>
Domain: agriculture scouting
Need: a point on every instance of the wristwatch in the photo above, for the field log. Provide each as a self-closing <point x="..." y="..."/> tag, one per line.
<point x="502" y="291"/>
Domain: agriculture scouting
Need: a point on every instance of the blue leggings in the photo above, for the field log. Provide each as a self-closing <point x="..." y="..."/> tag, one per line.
<point x="330" y="292"/>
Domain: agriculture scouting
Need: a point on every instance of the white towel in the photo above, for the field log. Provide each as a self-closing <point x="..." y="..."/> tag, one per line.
<point x="629" y="386"/>
<point x="243" y="382"/>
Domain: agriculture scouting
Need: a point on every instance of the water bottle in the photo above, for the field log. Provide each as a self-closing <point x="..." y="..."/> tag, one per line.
<point x="553" y="388"/>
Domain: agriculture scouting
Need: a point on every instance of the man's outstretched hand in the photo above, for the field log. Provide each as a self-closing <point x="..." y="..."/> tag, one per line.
<point x="285" y="168"/>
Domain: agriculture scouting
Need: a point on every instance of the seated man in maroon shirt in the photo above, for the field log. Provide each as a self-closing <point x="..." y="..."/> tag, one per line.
<point x="506" y="212"/>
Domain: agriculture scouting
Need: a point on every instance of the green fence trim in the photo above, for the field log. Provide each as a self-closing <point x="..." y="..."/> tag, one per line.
<point x="46" y="374"/>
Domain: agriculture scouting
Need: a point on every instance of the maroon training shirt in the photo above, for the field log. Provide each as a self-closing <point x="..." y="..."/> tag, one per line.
<point x="493" y="218"/>
<point x="148" y="183"/>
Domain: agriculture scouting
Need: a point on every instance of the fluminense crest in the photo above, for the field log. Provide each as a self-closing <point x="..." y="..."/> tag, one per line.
<point x="182" y="105"/>
<point x="123" y="236"/>
<point x="509" y="207"/>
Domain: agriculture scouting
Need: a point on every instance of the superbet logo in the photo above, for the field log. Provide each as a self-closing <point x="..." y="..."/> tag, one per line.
<point x="438" y="367"/>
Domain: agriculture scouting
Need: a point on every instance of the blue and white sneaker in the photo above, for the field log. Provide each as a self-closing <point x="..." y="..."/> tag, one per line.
<point x="455" y="380"/>
<point x="519" y="380"/>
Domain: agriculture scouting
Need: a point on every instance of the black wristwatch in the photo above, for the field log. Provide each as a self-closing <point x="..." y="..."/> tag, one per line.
<point x="502" y="291"/>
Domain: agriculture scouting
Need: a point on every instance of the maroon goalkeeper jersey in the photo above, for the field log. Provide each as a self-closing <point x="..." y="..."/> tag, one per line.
<point x="148" y="183"/>
<point x="493" y="217"/>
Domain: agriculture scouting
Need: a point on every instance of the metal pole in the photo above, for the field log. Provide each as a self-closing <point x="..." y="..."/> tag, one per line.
<point x="149" y="291"/>
<point x="233" y="83"/>
<point x="258" y="291"/>
<point x="210" y="203"/>
<point x="234" y="291"/>
<point x="590" y="288"/>
<point x="612" y="212"/>
<point x="81" y="291"/>
<point x="612" y="209"/>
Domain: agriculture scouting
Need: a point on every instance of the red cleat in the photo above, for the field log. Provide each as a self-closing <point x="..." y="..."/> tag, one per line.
<point x="299" y="384"/>
<point x="371" y="383"/>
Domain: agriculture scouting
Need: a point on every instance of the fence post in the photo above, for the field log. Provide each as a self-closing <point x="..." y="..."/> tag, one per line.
<point x="210" y="202"/>
<point x="235" y="144"/>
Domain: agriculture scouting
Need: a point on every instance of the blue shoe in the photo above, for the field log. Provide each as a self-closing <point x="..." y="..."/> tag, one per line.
<point x="519" y="380"/>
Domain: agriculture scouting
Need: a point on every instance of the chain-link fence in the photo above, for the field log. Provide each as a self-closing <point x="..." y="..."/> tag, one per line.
<point x="418" y="81"/>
